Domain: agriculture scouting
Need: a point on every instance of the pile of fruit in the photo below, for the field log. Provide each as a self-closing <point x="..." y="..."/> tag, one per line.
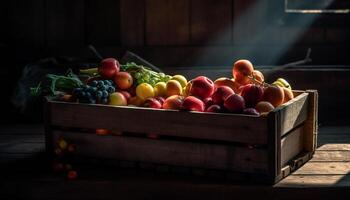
<point x="135" y="85"/>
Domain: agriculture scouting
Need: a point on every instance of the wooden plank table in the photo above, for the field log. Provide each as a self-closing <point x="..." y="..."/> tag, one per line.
<point x="26" y="174"/>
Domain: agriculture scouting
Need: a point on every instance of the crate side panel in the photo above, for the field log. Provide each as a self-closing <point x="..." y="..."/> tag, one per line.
<point x="291" y="145"/>
<point x="311" y="124"/>
<point x="293" y="113"/>
<point x="177" y="153"/>
<point x="226" y="127"/>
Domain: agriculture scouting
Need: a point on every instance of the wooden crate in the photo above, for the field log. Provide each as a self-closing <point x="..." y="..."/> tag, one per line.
<point x="261" y="149"/>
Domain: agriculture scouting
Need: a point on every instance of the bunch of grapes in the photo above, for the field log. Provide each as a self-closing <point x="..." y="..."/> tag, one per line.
<point x="143" y="74"/>
<point x="97" y="91"/>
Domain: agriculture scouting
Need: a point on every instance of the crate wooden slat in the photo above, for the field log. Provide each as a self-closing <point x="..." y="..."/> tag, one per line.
<point x="177" y="153"/>
<point x="267" y="148"/>
<point x="226" y="127"/>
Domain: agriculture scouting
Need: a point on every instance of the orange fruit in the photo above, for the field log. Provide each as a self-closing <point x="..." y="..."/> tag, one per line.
<point x="258" y="76"/>
<point x="135" y="101"/>
<point x="241" y="70"/>
<point x="288" y="94"/>
<point x="274" y="95"/>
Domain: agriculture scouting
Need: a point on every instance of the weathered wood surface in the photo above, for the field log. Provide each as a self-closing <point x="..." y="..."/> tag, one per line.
<point x="293" y="113"/>
<point x="291" y="145"/>
<point x="163" y="122"/>
<point x="169" y="152"/>
<point x="25" y="175"/>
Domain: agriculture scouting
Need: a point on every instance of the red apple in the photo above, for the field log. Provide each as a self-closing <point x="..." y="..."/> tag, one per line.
<point x="161" y="100"/>
<point x="108" y="68"/>
<point x="214" y="108"/>
<point x="234" y="103"/>
<point x="123" y="80"/>
<point x="152" y="103"/>
<point x="251" y="111"/>
<point x="221" y="93"/>
<point x="173" y="102"/>
<point x="202" y="87"/>
<point x="252" y="94"/>
<point x="192" y="103"/>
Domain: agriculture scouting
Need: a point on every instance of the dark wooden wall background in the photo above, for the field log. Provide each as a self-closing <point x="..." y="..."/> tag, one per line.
<point x="168" y="33"/>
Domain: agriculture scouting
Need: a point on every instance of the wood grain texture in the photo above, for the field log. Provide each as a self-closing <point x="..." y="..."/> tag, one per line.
<point x="314" y="181"/>
<point x="26" y="176"/>
<point x="132" y="22"/>
<point x="226" y="127"/>
<point x="102" y="22"/>
<point x="167" y="22"/>
<point x="65" y="24"/>
<point x="293" y="113"/>
<point x="291" y="145"/>
<point x="211" y="22"/>
<point x="323" y="168"/>
<point x="334" y="147"/>
<point x="274" y="146"/>
<point x="187" y="154"/>
<point x="311" y="124"/>
<point x="331" y="156"/>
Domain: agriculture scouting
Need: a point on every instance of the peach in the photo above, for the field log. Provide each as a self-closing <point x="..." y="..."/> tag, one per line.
<point x="173" y="102"/>
<point x="123" y="80"/>
<point x="252" y="94"/>
<point x="135" y="101"/>
<point x="288" y="94"/>
<point x="264" y="107"/>
<point x="117" y="99"/>
<point x="201" y="87"/>
<point x="173" y="87"/>
<point x="258" y="76"/>
<point x="220" y="94"/>
<point x="192" y="103"/>
<point x="228" y="82"/>
<point x="234" y="103"/>
<point x="241" y="70"/>
<point x="274" y="95"/>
